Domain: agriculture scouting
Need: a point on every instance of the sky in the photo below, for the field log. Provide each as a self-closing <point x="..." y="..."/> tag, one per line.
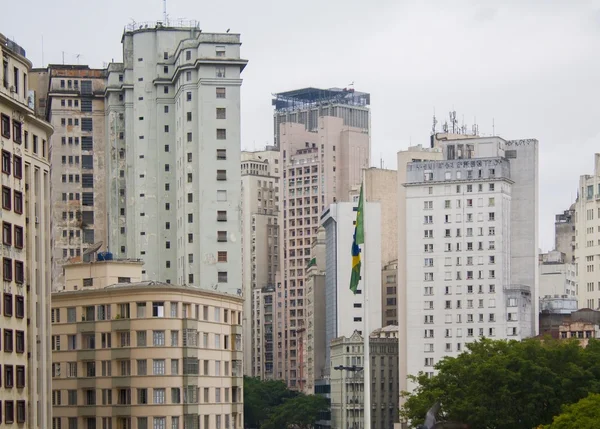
<point x="519" y="68"/>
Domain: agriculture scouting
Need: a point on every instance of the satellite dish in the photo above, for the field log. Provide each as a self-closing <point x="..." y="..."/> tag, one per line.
<point x="93" y="249"/>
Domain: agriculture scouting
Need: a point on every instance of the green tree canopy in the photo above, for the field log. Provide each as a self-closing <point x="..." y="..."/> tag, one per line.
<point x="584" y="414"/>
<point x="508" y="384"/>
<point x="270" y="404"/>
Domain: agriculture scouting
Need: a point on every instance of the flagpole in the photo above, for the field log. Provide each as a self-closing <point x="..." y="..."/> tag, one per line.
<point x="366" y="333"/>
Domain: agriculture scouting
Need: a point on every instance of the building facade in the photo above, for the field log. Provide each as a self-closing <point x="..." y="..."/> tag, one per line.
<point x="558" y="277"/>
<point x="72" y="100"/>
<point x="324" y="143"/>
<point x="469" y="249"/>
<point x="175" y="185"/>
<point x="260" y="254"/>
<point x="347" y="385"/>
<point x="389" y="294"/>
<point x="345" y="311"/>
<point x="137" y="354"/>
<point x="25" y="359"/>
<point x="564" y="234"/>
<point x="587" y="238"/>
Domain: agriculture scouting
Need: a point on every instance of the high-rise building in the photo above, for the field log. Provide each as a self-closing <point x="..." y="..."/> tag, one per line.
<point x="25" y="359"/>
<point x="587" y="238"/>
<point x="173" y="154"/>
<point x="471" y="247"/>
<point x="260" y="256"/>
<point x="347" y="379"/>
<point x="564" y="234"/>
<point x="389" y="293"/>
<point x="324" y="143"/>
<point x="344" y="310"/>
<point x="146" y="354"/>
<point x="72" y="100"/>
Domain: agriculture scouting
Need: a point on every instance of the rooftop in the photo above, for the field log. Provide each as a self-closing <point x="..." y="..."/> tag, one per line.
<point x="307" y="97"/>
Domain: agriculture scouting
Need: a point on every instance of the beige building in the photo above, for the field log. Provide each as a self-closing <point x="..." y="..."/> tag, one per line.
<point x="25" y="174"/>
<point x="582" y="330"/>
<point x="71" y="98"/>
<point x="564" y="234"/>
<point x="132" y="354"/>
<point x="587" y="238"/>
<point x="324" y="143"/>
<point x="313" y="338"/>
<point x="381" y="186"/>
<point x="260" y="255"/>
<point x="347" y="380"/>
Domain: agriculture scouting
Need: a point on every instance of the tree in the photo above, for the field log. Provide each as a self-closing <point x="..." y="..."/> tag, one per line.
<point x="507" y="384"/>
<point x="261" y="398"/>
<point x="300" y="412"/>
<point x="584" y="414"/>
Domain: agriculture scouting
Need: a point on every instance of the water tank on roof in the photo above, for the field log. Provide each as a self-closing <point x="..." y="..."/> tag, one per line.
<point x="105" y="256"/>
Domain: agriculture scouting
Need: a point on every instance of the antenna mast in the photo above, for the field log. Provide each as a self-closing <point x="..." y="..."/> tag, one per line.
<point x="165" y="19"/>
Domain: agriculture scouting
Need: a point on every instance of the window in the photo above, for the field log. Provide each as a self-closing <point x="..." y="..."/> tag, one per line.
<point x="222" y="277"/>
<point x="221" y="113"/>
<point x="188" y="96"/>
<point x="189" y="116"/>
<point x="158" y="309"/>
<point x="221" y="134"/>
<point x="18" y="167"/>
<point x="7" y="269"/>
<point x="18" y="196"/>
<point x="220" y="92"/>
<point x="5" y="125"/>
<point x="158" y="366"/>
<point x="6" y="161"/>
<point x="221" y="174"/>
<point x="221" y="154"/>
<point x="19" y="272"/>
<point x="158" y="338"/>
<point x="221" y="236"/>
<point x="222" y="256"/>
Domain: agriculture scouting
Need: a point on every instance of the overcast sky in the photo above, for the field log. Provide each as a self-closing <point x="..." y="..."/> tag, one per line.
<point x="530" y="66"/>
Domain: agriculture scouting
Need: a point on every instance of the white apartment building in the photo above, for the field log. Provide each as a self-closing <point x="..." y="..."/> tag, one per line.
<point x="465" y="278"/>
<point x="324" y="143"/>
<point x="173" y="154"/>
<point x="587" y="238"/>
<point x="344" y="311"/>
<point x="260" y="255"/>
<point x="25" y="358"/>
<point x="558" y="277"/>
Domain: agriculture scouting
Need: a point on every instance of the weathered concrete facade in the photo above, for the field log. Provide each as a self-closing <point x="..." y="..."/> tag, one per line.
<point x="564" y="234"/>
<point x="73" y="102"/>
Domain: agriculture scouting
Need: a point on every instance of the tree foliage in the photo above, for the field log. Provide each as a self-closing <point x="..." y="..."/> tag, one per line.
<point x="508" y="384"/>
<point x="271" y="405"/>
<point x="584" y="414"/>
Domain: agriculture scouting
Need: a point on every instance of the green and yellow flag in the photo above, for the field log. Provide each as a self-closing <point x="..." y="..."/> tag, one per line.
<point x="359" y="238"/>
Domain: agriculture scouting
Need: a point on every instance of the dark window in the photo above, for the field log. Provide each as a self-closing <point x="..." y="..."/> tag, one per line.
<point x="7" y="269"/>
<point x="9" y="412"/>
<point x="87" y="162"/>
<point x="87" y="217"/>
<point x="6" y="234"/>
<point x="8" y="347"/>
<point x="87" y="143"/>
<point x="6" y="198"/>
<point x="8" y="304"/>
<point x="87" y="180"/>
<point x="5" y="162"/>
<point x="188" y="96"/>
<point x="5" y="121"/>
<point x="86" y="124"/>
<point x="18" y="167"/>
<point x="18" y="237"/>
<point x="87" y="198"/>
<point x="86" y="87"/>
<point x="20" y="307"/>
<point x="20" y="410"/>
<point x="18" y="202"/>
<point x="86" y="105"/>
<point x="19" y="272"/>
<point x="17" y="133"/>
<point x="20" y="375"/>
<point x="221" y="154"/>
<point x="88" y="236"/>
<point x="20" y="341"/>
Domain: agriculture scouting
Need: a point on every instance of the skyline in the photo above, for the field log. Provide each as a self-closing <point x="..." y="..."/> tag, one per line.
<point x="504" y="63"/>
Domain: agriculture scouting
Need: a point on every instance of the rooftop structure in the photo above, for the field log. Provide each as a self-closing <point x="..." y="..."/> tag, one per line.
<point x="311" y="97"/>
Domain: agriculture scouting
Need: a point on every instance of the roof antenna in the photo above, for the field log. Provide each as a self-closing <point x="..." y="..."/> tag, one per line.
<point x="493" y="127"/>
<point x="165" y="16"/>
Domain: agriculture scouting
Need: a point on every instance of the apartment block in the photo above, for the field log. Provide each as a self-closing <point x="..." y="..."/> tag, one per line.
<point x="173" y="154"/>
<point x="558" y="277"/>
<point x="471" y="241"/>
<point x="324" y="143"/>
<point x="345" y="311"/>
<point x="25" y="175"/>
<point x="260" y="255"/>
<point x="565" y="235"/>
<point x="347" y="379"/>
<point x="133" y="353"/>
<point x="72" y="100"/>
<point x="389" y="293"/>
<point x="587" y="238"/>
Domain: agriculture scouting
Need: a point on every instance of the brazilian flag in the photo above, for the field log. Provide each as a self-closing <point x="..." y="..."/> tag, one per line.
<point x="359" y="238"/>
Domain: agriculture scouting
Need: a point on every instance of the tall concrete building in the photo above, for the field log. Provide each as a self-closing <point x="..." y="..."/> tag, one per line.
<point x="558" y="277"/>
<point x="347" y="380"/>
<point x="25" y="358"/>
<point x="472" y="247"/>
<point x="587" y="238"/>
<point x="129" y="353"/>
<point x="565" y="235"/>
<point x="260" y="255"/>
<point x="173" y="154"/>
<point x="72" y="100"/>
<point x="324" y="143"/>
<point x="389" y="293"/>
<point x="345" y="311"/>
